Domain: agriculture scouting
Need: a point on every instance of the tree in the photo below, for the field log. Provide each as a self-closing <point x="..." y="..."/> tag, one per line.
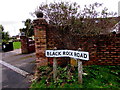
<point x="1" y="28"/>
<point x="5" y="35"/>
<point x="83" y="22"/>
<point x="71" y="21"/>
<point x="28" y="30"/>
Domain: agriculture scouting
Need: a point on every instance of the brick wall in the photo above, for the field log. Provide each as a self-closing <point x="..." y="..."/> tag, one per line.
<point x="103" y="49"/>
<point x="26" y="45"/>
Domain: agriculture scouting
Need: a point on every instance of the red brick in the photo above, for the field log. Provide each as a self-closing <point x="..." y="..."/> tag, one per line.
<point x="113" y="52"/>
<point x="103" y="50"/>
<point x="106" y="52"/>
<point x="103" y="58"/>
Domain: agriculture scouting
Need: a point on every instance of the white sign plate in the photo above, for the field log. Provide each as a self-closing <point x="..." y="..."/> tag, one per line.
<point x="68" y="53"/>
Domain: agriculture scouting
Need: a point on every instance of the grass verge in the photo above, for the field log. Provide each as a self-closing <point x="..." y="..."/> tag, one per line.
<point x="97" y="77"/>
<point x="16" y="45"/>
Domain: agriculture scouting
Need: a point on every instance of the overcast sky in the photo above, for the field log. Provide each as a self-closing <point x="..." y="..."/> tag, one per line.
<point x="13" y="12"/>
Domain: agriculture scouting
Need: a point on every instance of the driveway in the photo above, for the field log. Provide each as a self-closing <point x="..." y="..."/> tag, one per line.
<point x="13" y="63"/>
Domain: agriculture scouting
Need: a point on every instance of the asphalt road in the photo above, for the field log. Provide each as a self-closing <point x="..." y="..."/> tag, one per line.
<point x="25" y="62"/>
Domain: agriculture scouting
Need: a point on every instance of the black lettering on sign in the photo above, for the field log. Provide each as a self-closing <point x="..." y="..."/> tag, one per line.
<point x="63" y="53"/>
<point x="59" y="53"/>
<point x="54" y="53"/>
<point x="78" y="55"/>
<point x="81" y="55"/>
<point x="85" y="55"/>
<point x="75" y="54"/>
<point x="71" y="53"/>
<point x="47" y="53"/>
<point x="67" y="53"/>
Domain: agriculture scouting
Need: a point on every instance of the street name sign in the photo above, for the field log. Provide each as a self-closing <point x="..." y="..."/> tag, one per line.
<point x="68" y="53"/>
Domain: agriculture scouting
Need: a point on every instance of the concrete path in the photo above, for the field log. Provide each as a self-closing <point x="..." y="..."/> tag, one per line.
<point x="13" y="65"/>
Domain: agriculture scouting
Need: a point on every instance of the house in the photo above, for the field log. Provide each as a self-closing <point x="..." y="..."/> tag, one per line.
<point x="116" y="28"/>
<point x="106" y="25"/>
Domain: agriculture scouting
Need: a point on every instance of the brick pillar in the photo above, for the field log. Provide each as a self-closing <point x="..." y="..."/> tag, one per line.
<point x="24" y="44"/>
<point x="40" y="26"/>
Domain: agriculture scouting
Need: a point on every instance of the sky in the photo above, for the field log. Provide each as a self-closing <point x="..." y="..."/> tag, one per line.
<point x="13" y="12"/>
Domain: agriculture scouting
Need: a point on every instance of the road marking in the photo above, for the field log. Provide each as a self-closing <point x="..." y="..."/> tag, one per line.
<point x="22" y="72"/>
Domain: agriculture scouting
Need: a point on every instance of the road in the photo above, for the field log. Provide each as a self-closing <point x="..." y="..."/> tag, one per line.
<point x="15" y="60"/>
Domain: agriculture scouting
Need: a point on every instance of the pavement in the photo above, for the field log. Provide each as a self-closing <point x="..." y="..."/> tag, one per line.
<point x="13" y="64"/>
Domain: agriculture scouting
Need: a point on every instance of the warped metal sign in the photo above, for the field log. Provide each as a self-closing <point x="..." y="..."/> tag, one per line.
<point x="68" y="53"/>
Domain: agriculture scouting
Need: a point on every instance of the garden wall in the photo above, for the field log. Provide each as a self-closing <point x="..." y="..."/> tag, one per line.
<point x="27" y="46"/>
<point x="103" y="49"/>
